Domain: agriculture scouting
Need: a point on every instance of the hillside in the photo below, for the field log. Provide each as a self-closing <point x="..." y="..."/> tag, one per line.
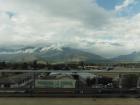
<point x="49" y="54"/>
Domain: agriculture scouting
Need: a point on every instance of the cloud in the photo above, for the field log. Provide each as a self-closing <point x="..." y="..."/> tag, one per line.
<point x="85" y="11"/>
<point x="79" y="23"/>
<point x="124" y="5"/>
<point x="49" y="20"/>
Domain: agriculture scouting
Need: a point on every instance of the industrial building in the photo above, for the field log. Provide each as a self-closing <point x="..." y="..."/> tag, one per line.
<point x="55" y="81"/>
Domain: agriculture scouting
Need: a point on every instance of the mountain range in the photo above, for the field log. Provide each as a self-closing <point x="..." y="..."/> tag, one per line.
<point x="132" y="57"/>
<point x="54" y="54"/>
<point x="48" y="54"/>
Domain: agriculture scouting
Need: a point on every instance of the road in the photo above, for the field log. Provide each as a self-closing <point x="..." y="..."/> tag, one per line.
<point x="68" y="101"/>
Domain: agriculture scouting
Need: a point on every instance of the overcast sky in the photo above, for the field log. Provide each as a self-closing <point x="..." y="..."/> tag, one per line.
<point x="106" y="27"/>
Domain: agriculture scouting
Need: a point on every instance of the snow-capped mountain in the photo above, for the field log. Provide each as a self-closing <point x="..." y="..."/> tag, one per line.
<point x="49" y="54"/>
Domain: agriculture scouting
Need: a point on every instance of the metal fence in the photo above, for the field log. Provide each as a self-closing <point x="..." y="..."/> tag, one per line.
<point x="22" y="83"/>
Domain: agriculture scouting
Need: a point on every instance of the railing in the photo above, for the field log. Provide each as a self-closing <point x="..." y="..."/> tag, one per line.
<point x="22" y="83"/>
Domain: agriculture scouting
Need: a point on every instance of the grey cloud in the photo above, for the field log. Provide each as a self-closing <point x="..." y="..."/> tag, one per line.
<point x="116" y="44"/>
<point x="111" y="43"/>
<point x="95" y="42"/>
<point x="82" y="10"/>
<point x="74" y="23"/>
<point x="85" y="11"/>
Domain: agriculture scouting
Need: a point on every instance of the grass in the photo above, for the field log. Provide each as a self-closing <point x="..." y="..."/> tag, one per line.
<point x="69" y="101"/>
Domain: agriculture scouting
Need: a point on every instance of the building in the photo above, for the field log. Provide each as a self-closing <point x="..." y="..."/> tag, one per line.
<point x="56" y="81"/>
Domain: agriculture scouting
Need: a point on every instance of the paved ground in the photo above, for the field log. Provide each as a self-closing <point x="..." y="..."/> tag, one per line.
<point x="69" y="101"/>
